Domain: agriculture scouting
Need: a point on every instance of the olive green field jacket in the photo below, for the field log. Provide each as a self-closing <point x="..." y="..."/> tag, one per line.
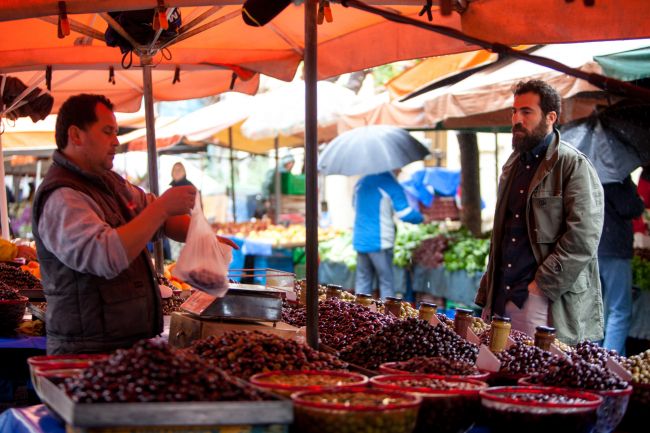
<point x="565" y="212"/>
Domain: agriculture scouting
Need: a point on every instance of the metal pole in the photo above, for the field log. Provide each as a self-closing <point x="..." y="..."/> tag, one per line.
<point x="496" y="159"/>
<point x="39" y="173"/>
<point x="232" y="175"/>
<point x="152" y="155"/>
<point x="4" y="213"/>
<point x="311" y="171"/>
<point x="276" y="182"/>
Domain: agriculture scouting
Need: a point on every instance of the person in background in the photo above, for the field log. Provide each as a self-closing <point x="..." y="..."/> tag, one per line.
<point x="622" y="204"/>
<point x="10" y="251"/>
<point x="267" y="200"/>
<point x="542" y="267"/>
<point x="91" y="227"/>
<point x="377" y="198"/>
<point x="179" y="176"/>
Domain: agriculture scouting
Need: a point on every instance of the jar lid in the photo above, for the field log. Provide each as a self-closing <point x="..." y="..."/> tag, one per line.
<point x="464" y="311"/>
<point x="500" y="318"/>
<point x="334" y="286"/>
<point x="392" y="299"/>
<point x="428" y="304"/>
<point x="364" y="296"/>
<point x="546" y="329"/>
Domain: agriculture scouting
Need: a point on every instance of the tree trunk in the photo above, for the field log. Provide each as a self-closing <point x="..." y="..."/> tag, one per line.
<point x="470" y="182"/>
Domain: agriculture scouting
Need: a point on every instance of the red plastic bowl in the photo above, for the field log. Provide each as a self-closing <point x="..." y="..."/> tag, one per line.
<point x="38" y="361"/>
<point x="11" y="314"/>
<point x="347" y="380"/>
<point x="391" y="368"/>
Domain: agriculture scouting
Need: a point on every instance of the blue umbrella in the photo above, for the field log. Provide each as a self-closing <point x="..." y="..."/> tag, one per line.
<point x="370" y="150"/>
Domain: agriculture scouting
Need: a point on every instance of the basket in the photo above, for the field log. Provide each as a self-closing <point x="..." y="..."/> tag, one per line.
<point x="11" y="314"/>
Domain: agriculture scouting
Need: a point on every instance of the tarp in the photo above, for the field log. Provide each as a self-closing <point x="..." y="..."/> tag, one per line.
<point x="627" y="65"/>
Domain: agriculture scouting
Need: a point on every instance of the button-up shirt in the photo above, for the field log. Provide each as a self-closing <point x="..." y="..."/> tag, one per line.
<point x="517" y="265"/>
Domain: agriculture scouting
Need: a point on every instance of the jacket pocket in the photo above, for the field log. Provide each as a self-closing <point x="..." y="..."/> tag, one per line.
<point x="548" y="213"/>
<point x="126" y="308"/>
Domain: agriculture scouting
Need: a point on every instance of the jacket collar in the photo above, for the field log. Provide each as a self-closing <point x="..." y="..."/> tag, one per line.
<point x="60" y="159"/>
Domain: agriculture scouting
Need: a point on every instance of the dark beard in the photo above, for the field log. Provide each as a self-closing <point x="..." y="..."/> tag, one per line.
<point x="527" y="142"/>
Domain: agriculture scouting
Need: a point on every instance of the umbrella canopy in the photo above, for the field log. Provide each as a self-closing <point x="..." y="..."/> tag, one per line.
<point x="370" y="150"/>
<point x="616" y="140"/>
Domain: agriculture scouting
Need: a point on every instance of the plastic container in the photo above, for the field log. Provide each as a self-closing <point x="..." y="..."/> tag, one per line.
<point x="355" y="410"/>
<point x="499" y="332"/>
<point x="443" y="410"/>
<point x="503" y="410"/>
<point x="292" y="184"/>
<point x="638" y="408"/>
<point x="394" y="368"/>
<point x="286" y="382"/>
<point x="11" y="314"/>
<point x="59" y="362"/>
<point x="611" y="412"/>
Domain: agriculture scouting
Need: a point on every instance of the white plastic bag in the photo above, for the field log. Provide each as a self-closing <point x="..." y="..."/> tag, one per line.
<point x="203" y="261"/>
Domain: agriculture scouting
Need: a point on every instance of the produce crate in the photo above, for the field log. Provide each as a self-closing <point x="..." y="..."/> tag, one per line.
<point x="293" y="184"/>
<point x="272" y="416"/>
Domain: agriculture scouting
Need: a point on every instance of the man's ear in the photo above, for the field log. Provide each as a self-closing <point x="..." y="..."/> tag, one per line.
<point x="551" y="116"/>
<point x="74" y="135"/>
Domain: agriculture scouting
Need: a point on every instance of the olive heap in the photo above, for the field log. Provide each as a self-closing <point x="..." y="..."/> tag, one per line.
<point x="172" y="304"/>
<point x="639" y="367"/>
<point x="7" y="293"/>
<point x="339" y="323"/>
<point x="593" y="353"/>
<point x="151" y="371"/>
<point x="436" y="365"/>
<point x="18" y="279"/>
<point x="245" y="353"/>
<point x="578" y="373"/>
<point x="521" y="358"/>
<point x="546" y="398"/>
<point x="445" y="320"/>
<point x="479" y="326"/>
<point x="436" y="384"/>
<point x="406" y="339"/>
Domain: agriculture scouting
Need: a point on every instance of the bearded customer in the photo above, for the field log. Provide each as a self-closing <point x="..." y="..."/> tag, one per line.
<point x="543" y="267"/>
<point x="91" y="227"/>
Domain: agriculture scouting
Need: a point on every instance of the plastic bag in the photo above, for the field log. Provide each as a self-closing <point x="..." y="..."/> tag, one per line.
<point x="203" y="261"/>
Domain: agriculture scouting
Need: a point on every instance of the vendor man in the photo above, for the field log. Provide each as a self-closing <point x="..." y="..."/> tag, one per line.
<point x="91" y="227"/>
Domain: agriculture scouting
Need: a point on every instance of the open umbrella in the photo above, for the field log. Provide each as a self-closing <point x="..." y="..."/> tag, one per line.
<point x="369" y="150"/>
<point x="615" y="139"/>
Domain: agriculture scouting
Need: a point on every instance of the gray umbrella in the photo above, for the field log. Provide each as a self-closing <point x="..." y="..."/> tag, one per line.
<point x="370" y="150"/>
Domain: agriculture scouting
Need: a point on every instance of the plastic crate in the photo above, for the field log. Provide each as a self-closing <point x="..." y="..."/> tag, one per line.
<point x="293" y="184"/>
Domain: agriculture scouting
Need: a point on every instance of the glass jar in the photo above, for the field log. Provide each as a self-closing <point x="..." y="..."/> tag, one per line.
<point x="499" y="333"/>
<point x="364" y="299"/>
<point x="393" y="306"/>
<point x="303" y="291"/>
<point x="544" y="337"/>
<point x="427" y="310"/>
<point x="333" y="291"/>
<point x="462" y="321"/>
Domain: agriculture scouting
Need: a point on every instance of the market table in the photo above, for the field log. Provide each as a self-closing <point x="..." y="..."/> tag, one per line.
<point x="38" y="419"/>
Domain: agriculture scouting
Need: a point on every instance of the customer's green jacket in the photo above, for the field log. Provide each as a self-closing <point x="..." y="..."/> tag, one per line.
<point x="565" y="212"/>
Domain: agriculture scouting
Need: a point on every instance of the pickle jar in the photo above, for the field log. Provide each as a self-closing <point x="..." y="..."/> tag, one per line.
<point x="393" y="306"/>
<point x="544" y="337"/>
<point x="427" y="310"/>
<point x="333" y="291"/>
<point x="364" y="299"/>
<point x="462" y="321"/>
<point x="499" y="333"/>
<point x="303" y="291"/>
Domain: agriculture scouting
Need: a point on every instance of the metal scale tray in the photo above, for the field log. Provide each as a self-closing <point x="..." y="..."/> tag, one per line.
<point x="241" y="302"/>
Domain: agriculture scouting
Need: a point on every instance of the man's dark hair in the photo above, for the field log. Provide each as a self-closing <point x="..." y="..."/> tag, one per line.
<point x="549" y="99"/>
<point x="78" y="110"/>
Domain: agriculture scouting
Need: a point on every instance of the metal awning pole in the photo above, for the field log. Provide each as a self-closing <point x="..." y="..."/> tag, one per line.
<point x="311" y="171"/>
<point x="4" y="213"/>
<point x="232" y="175"/>
<point x="276" y="182"/>
<point x="152" y="155"/>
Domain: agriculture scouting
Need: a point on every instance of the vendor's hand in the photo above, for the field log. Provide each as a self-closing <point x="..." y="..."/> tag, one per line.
<point x="533" y="289"/>
<point x="228" y="242"/>
<point x="178" y="200"/>
<point x="26" y="252"/>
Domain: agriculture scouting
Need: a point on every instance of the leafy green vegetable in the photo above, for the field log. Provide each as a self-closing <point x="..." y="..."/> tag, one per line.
<point x="339" y="250"/>
<point x="641" y="273"/>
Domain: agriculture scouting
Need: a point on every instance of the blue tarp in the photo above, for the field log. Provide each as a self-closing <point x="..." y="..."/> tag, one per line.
<point x="425" y="184"/>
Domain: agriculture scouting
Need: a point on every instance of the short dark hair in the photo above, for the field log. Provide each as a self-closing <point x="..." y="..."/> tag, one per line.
<point x="78" y="110"/>
<point x="549" y="99"/>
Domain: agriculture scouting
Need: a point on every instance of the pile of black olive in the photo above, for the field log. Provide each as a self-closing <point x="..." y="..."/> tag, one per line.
<point x="18" y="279"/>
<point x="521" y="358"/>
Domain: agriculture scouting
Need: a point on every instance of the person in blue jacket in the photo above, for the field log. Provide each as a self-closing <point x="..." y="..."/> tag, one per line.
<point x="377" y="198"/>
